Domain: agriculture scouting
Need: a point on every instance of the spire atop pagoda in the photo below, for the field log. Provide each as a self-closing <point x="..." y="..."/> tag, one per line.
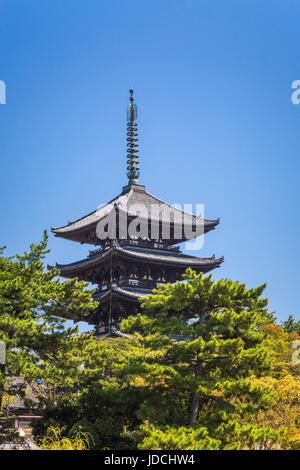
<point x="133" y="170"/>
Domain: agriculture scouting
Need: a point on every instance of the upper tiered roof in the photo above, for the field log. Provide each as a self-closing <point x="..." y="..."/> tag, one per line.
<point x="155" y="211"/>
<point x="83" y="230"/>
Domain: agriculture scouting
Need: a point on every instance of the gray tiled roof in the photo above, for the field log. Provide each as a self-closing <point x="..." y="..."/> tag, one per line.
<point x="143" y="254"/>
<point x="131" y="196"/>
<point x="130" y="292"/>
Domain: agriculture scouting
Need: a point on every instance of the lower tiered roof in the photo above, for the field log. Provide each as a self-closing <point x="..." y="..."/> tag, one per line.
<point x="139" y="254"/>
<point x="131" y="293"/>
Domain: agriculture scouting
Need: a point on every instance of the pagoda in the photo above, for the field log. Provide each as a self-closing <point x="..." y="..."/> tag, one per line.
<point x="135" y="237"/>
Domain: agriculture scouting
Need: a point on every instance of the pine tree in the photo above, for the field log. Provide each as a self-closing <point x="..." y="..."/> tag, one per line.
<point x="290" y="325"/>
<point x="33" y="305"/>
<point x="200" y="345"/>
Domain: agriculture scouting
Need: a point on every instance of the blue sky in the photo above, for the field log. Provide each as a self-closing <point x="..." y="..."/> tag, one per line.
<point x="217" y="126"/>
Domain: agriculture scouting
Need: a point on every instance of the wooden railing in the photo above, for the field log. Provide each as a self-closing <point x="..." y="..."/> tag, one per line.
<point x="142" y="283"/>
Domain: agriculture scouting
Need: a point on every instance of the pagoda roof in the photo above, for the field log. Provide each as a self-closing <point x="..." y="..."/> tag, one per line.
<point x="84" y="229"/>
<point x="133" y="253"/>
<point x="102" y="334"/>
<point x="130" y="293"/>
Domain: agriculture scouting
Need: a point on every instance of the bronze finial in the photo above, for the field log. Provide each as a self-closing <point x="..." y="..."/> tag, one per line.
<point x="133" y="172"/>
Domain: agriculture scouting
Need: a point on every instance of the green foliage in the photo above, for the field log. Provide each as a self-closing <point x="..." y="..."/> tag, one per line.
<point x="107" y="432"/>
<point x="105" y="406"/>
<point x="229" y="436"/>
<point x="63" y="415"/>
<point x="291" y="326"/>
<point x="199" y="346"/>
<point x="75" y="414"/>
<point x="176" y="438"/>
<point x="54" y="441"/>
<point x="197" y="372"/>
<point x="33" y="303"/>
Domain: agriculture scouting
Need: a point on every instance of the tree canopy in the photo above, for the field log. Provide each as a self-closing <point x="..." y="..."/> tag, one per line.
<point x="205" y="366"/>
<point x="202" y="345"/>
<point x="33" y="305"/>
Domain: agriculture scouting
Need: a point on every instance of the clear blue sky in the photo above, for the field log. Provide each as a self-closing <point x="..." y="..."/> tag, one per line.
<point x="216" y="122"/>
